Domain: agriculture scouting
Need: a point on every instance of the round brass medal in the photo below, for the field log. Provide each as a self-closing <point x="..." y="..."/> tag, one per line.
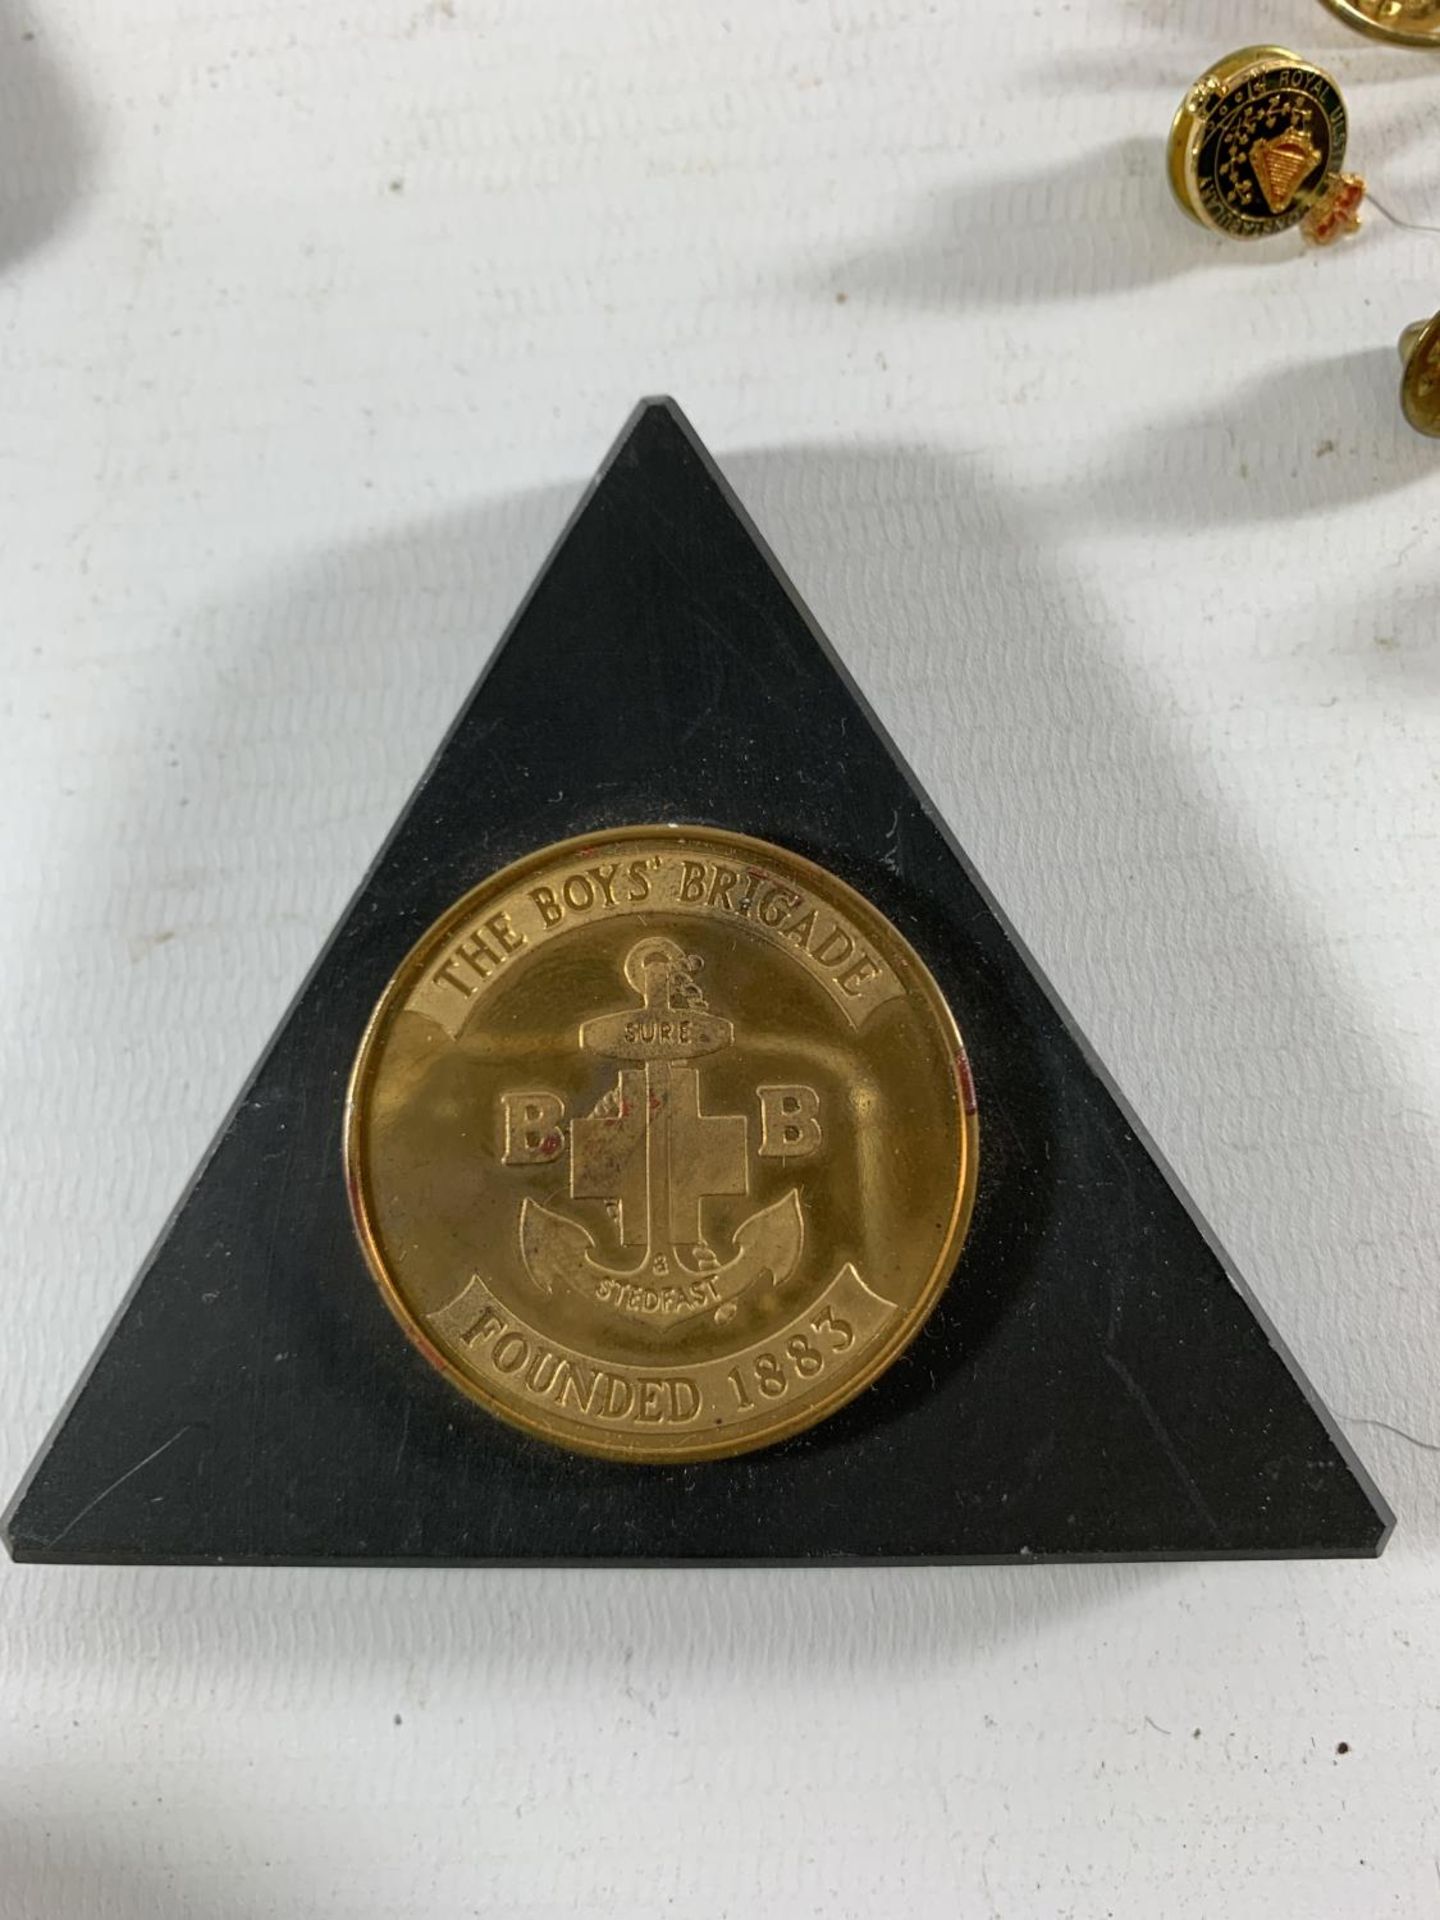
<point x="661" y="1143"/>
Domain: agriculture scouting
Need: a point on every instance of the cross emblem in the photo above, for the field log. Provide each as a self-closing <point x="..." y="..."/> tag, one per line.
<point x="646" y="1145"/>
<point x="648" y="1150"/>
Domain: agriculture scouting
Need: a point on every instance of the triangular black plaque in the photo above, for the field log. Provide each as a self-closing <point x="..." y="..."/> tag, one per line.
<point x="1096" y="1383"/>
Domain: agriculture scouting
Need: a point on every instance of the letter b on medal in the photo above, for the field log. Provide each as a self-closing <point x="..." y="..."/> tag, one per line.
<point x="789" y="1122"/>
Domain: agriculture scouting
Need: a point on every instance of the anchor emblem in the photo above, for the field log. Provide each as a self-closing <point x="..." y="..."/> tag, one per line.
<point x="649" y="1150"/>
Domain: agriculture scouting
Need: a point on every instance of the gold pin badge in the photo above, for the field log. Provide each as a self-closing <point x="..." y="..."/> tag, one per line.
<point x="1420" y="382"/>
<point x="1257" y="147"/>
<point x="1405" y="23"/>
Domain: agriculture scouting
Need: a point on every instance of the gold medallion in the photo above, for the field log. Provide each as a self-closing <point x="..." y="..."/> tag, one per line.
<point x="1406" y="23"/>
<point x="1257" y="147"/>
<point x="661" y="1144"/>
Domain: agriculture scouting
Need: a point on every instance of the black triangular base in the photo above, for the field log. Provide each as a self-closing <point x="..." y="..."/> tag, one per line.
<point x="1096" y="1384"/>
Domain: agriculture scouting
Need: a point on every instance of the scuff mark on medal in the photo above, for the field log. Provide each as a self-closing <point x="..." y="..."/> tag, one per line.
<point x="967" y="1082"/>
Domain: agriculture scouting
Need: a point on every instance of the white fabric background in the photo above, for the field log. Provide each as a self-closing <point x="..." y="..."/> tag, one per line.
<point x="313" y="320"/>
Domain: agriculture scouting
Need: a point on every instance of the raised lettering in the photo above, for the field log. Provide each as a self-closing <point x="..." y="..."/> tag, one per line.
<point x="840" y="1331"/>
<point x="452" y="978"/>
<point x="753" y="877"/>
<point x="769" y="1375"/>
<point x="510" y="1352"/>
<point x="503" y="934"/>
<point x="775" y="903"/>
<point x="789" y="1122"/>
<point x="467" y="1320"/>
<point x="604" y="878"/>
<point x="855" y="976"/>
<point x="538" y="1375"/>
<point x="534" y="1128"/>
<point x="578" y="1384"/>
<point x="551" y="912"/>
<point x="684" y="1399"/>
<point x="474" y="953"/>
<point x="829" y="954"/>
<point x="619" y="1398"/>
<point x="800" y="930"/>
<point x="692" y="880"/>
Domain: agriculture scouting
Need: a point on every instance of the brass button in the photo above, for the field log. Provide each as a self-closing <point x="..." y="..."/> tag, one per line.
<point x="1404" y="23"/>
<point x="1258" y="145"/>
<point x="1420" y="382"/>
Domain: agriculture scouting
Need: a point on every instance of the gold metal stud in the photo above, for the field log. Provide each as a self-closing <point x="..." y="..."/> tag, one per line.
<point x="1404" y="23"/>
<point x="1420" y="381"/>
<point x="1257" y="147"/>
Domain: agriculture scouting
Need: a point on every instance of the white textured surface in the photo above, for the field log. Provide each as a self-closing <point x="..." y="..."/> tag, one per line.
<point x="312" y="322"/>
